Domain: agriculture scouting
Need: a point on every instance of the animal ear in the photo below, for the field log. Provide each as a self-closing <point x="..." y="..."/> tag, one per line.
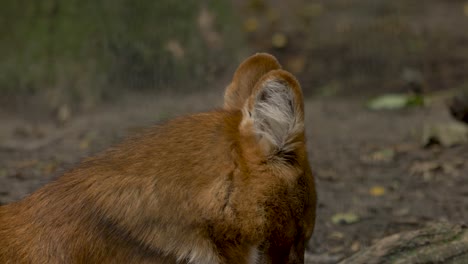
<point x="245" y="78"/>
<point x="274" y="113"/>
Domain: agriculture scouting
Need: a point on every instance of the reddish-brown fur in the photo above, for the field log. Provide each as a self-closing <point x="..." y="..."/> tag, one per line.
<point x="197" y="189"/>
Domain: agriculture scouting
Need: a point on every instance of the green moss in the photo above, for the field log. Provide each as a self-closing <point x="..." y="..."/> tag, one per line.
<point x="75" y="49"/>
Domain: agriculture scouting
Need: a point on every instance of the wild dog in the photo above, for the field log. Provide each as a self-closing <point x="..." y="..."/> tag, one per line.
<point x="232" y="185"/>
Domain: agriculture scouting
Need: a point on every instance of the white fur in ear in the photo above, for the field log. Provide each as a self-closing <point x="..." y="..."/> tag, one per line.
<point x="276" y="114"/>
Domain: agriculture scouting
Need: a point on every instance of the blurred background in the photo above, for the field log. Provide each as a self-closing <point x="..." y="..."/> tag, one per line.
<point x="82" y="52"/>
<point x="385" y="81"/>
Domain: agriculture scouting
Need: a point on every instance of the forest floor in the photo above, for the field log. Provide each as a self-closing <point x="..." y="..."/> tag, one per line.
<point x="373" y="176"/>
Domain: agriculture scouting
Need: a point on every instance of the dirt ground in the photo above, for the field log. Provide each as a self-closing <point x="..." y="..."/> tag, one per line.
<point x="368" y="164"/>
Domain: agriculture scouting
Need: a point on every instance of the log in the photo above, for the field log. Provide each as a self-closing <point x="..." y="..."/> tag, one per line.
<point x="437" y="243"/>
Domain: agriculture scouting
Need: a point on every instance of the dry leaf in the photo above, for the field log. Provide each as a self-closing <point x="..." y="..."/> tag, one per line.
<point x="345" y="218"/>
<point x="279" y="40"/>
<point x="377" y="191"/>
<point x="395" y="101"/>
<point x="425" y="168"/>
<point x="384" y="155"/>
<point x="428" y="169"/>
<point x="336" y="235"/>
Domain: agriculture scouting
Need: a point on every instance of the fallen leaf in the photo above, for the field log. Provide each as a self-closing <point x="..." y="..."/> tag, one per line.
<point x="279" y="40"/>
<point x="391" y="101"/>
<point x="384" y="155"/>
<point x="395" y="101"/>
<point x="336" y="235"/>
<point x="425" y="169"/>
<point x="377" y="191"/>
<point x="345" y="218"/>
<point x="424" y="166"/>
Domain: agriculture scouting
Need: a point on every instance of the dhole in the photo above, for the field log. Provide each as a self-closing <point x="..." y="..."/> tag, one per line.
<point x="228" y="186"/>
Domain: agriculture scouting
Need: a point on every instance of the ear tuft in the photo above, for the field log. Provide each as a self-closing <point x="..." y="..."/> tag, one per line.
<point x="277" y="110"/>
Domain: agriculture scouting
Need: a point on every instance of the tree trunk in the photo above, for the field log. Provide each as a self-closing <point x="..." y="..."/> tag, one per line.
<point x="437" y="243"/>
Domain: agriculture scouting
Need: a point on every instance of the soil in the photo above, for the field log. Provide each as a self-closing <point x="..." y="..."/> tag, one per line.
<point x="369" y="164"/>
